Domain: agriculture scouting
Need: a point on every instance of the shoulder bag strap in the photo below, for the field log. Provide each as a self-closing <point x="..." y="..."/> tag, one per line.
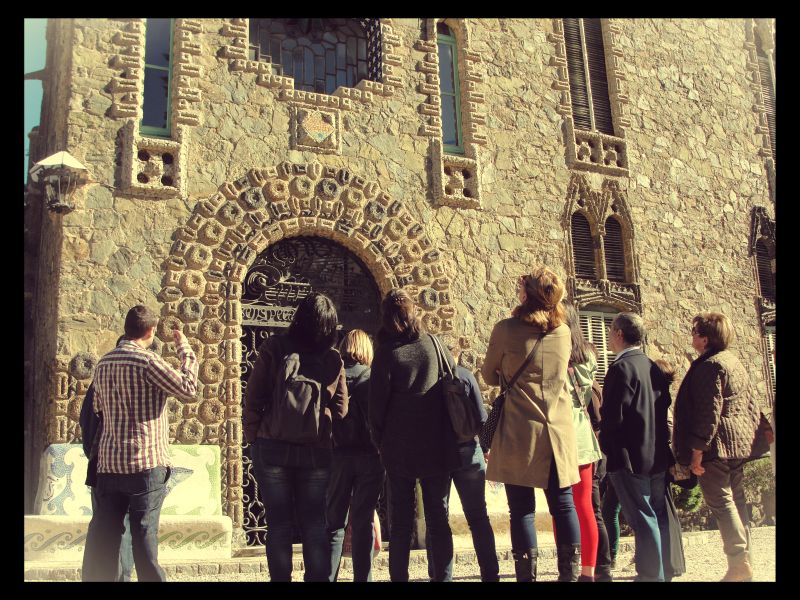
<point x="524" y="366"/>
<point x="442" y="358"/>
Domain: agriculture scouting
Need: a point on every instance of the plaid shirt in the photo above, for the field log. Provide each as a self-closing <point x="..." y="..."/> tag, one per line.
<point x="131" y="389"/>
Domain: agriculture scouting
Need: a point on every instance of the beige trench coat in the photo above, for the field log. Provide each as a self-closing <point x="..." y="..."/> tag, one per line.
<point x="536" y="424"/>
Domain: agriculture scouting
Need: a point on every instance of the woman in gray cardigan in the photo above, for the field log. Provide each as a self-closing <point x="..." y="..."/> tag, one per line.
<point x="411" y="428"/>
<point x="716" y="419"/>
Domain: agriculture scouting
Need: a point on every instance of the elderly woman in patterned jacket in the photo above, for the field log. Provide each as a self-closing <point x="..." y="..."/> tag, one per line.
<point x="715" y="427"/>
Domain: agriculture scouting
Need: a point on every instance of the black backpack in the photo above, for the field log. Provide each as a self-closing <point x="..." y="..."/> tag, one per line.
<point x="297" y="399"/>
<point x="353" y="430"/>
<point x="463" y="412"/>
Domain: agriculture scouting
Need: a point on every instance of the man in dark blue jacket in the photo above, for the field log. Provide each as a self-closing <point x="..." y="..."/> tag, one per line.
<point x="635" y="440"/>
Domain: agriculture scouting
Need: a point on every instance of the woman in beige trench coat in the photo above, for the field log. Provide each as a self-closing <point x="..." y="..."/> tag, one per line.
<point x="534" y="445"/>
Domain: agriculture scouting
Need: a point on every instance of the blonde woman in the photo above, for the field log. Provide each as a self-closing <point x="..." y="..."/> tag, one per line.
<point x="534" y="444"/>
<point x="357" y="474"/>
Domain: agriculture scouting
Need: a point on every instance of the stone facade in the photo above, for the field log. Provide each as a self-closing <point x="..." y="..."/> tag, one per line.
<point x="177" y="222"/>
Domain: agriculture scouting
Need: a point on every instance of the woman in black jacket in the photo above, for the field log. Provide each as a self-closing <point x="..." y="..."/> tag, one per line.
<point x="411" y="428"/>
<point x="357" y="474"/>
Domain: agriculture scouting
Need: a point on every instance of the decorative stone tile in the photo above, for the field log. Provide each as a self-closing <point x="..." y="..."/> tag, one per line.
<point x="316" y="130"/>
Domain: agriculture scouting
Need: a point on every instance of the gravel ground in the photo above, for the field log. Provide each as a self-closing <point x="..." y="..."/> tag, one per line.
<point x="704" y="561"/>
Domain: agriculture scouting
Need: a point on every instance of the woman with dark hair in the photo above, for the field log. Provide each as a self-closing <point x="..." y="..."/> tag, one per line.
<point x="534" y="444"/>
<point x="297" y="387"/>
<point x="411" y="428"/>
<point x="586" y="493"/>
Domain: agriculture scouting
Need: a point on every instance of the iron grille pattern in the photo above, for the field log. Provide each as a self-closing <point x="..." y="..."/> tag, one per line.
<point x="767" y="93"/>
<point x="766" y="280"/>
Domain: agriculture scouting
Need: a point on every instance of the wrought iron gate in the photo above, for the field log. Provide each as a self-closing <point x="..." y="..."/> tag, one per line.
<point x="280" y="278"/>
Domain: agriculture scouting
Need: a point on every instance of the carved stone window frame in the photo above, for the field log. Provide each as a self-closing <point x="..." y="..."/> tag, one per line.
<point x="597" y="207"/>
<point x="765" y="30"/>
<point x="128" y="93"/>
<point x="455" y="178"/>
<point x="365" y="91"/>
<point x="592" y="150"/>
<point x="762" y="228"/>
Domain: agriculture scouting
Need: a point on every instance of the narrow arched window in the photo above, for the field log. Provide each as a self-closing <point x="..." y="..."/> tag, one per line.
<point x="320" y="54"/>
<point x="157" y="78"/>
<point x="588" y="79"/>
<point x="770" y="335"/>
<point x="766" y="279"/>
<point x="582" y="247"/>
<point x="595" y="324"/>
<point x="767" y="89"/>
<point x="614" y="251"/>
<point x="449" y="88"/>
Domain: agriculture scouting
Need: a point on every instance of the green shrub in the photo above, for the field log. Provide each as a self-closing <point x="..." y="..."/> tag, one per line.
<point x="758" y="479"/>
<point x="687" y="501"/>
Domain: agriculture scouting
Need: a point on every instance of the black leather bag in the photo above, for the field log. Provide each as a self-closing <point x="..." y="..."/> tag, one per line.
<point x="487" y="431"/>
<point x="463" y="411"/>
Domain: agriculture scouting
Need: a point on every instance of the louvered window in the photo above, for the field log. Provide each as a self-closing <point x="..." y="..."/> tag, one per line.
<point x="157" y="78"/>
<point x="588" y="79"/>
<point x="614" y="251"/>
<point x="595" y="329"/>
<point x="449" y="90"/>
<point x="767" y="92"/>
<point x="582" y="248"/>
<point x="766" y="280"/>
<point x="770" y="357"/>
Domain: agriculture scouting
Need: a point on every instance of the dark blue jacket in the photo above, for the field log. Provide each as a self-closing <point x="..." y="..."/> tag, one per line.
<point x="473" y="391"/>
<point x="633" y="426"/>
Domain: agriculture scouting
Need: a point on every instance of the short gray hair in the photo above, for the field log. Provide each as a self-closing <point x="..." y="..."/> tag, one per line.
<point x="631" y="325"/>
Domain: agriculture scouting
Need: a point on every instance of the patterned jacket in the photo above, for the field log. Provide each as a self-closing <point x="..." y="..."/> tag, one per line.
<point x="716" y="410"/>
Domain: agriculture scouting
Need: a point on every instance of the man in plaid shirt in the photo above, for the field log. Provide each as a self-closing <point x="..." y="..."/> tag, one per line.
<point x="132" y="384"/>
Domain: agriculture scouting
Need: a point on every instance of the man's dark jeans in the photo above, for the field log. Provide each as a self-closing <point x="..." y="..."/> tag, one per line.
<point x="434" y="500"/>
<point x="470" y="482"/>
<point x="643" y="501"/>
<point x="356" y="482"/>
<point x="522" y="510"/>
<point x="125" y="548"/>
<point x="141" y="496"/>
<point x="289" y="491"/>
<point x="603" y="563"/>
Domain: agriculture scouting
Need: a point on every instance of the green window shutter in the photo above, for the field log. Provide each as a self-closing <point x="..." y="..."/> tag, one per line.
<point x="582" y="247"/>
<point x="157" y="78"/>
<point x="594" y="325"/>
<point x="450" y="91"/>
<point x="576" y="68"/>
<point x="598" y="77"/>
<point x="614" y="251"/>
<point x="766" y="280"/>
<point x="770" y="359"/>
<point x="768" y="93"/>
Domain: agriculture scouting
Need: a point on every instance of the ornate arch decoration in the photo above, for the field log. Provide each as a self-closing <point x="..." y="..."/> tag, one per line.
<point x="206" y="266"/>
<point x="762" y="229"/>
<point x="455" y="178"/>
<point x="597" y="206"/>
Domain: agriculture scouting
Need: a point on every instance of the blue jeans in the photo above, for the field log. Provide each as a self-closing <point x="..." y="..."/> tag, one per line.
<point x="643" y="501"/>
<point x="522" y="511"/>
<point x="141" y="496"/>
<point x="434" y="500"/>
<point x="125" y="548"/>
<point x="287" y="491"/>
<point x="356" y="482"/>
<point x="470" y="482"/>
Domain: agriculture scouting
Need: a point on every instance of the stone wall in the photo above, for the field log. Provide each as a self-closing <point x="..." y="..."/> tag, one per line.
<point x="693" y="176"/>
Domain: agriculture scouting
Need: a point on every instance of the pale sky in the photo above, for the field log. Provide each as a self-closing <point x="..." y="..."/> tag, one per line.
<point x="34" y="61"/>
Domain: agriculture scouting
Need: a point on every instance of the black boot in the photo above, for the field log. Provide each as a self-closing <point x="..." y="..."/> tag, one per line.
<point x="569" y="562"/>
<point x="525" y="564"/>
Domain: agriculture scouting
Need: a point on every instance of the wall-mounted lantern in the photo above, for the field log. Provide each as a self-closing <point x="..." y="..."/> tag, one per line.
<point x="58" y="176"/>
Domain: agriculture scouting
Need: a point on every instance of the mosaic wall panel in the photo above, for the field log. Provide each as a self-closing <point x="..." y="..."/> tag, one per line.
<point x="202" y="285"/>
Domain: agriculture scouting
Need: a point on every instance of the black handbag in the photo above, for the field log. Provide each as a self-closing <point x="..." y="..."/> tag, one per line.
<point x="487" y="431"/>
<point x="462" y="410"/>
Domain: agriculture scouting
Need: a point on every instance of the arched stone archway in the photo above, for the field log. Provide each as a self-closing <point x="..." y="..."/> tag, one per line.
<point x="202" y="284"/>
